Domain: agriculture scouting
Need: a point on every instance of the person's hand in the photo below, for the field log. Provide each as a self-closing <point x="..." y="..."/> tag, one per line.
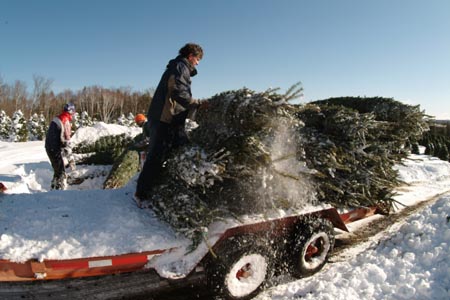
<point x="72" y="165"/>
<point x="203" y="105"/>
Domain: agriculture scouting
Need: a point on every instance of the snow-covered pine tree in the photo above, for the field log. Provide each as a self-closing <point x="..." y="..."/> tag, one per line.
<point x="122" y="120"/>
<point x="85" y="120"/>
<point x="5" y="126"/>
<point x="19" y="130"/>
<point x="75" y="122"/>
<point x="130" y="118"/>
<point x="126" y="120"/>
<point x="32" y="127"/>
<point x="36" y="127"/>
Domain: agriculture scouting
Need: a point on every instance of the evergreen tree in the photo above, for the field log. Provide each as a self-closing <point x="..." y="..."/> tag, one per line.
<point x="19" y="130"/>
<point x="415" y="148"/>
<point x="443" y="152"/>
<point x="130" y="118"/>
<point x="428" y="149"/>
<point x="75" y="122"/>
<point x="36" y="127"/>
<point x="5" y="126"/>
<point x="85" y="120"/>
<point x="122" y="120"/>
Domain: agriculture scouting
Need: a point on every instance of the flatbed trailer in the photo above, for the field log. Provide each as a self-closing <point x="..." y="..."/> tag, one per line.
<point x="234" y="261"/>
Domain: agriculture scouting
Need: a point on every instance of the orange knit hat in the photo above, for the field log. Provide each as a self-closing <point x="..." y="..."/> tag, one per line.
<point x="140" y="118"/>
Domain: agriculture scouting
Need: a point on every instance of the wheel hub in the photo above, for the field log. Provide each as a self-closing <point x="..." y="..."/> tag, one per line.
<point x="244" y="272"/>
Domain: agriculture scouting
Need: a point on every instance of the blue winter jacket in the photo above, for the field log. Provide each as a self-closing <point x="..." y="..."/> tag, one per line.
<point x="173" y="95"/>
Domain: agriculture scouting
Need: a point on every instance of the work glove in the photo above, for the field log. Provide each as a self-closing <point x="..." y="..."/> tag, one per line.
<point x="72" y="164"/>
<point x="67" y="151"/>
<point x="204" y="104"/>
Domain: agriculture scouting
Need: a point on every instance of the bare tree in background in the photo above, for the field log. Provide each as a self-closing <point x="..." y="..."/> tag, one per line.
<point x="133" y="103"/>
<point x="88" y="99"/>
<point x="83" y="99"/>
<point x="41" y="91"/>
<point x="125" y="98"/>
<point x="4" y="92"/>
<point x="107" y="105"/>
<point x="20" y="96"/>
<point x="100" y="103"/>
<point x="13" y="97"/>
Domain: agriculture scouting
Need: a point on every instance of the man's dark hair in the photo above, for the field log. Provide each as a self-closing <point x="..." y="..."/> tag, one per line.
<point x="193" y="49"/>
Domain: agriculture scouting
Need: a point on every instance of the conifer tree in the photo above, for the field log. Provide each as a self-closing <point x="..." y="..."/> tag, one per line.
<point x="415" y="148"/>
<point x="5" y="126"/>
<point x="36" y="127"/>
<point x="85" y="120"/>
<point x="130" y="118"/>
<point x="122" y="120"/>
<point x="443" y="152"/>
<point x="75" y="122"/>
<point x="19" y="130"/>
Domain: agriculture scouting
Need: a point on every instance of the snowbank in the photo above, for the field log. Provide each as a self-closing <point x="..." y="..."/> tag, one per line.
<point x="91" y="134"/>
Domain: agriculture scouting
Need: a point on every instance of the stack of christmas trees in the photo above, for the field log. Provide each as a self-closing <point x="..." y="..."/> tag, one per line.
<point x="254" y="151"/>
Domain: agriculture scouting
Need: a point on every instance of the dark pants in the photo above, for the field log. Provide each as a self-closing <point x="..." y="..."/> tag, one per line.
<point x="163" y="138"/>
<point x="59" y="173"/>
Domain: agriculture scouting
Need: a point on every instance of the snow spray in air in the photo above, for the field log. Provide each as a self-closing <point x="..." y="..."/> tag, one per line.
<point x="287" y="182"/>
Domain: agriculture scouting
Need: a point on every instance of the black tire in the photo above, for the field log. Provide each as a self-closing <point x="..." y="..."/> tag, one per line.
<point x="241" y="268"/>
<point x="313" y="241"/>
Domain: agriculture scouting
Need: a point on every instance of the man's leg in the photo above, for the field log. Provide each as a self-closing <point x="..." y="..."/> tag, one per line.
<point x="178" y="130"/>
<point x="59" y="175"/>
<point x="153" y="161"/>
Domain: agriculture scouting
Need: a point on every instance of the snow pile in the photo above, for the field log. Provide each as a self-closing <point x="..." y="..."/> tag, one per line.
<point x="412" y="171"/>
<point x="74" y="224"/>
<point x="90" y="134"/>
<point x="425" y="176"/>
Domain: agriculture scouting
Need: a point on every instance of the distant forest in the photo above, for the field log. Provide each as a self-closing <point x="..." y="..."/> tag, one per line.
<point x="102" y="104"/>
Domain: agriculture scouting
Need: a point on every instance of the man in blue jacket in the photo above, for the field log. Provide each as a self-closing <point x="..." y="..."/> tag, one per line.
<point x="169" y="108"/>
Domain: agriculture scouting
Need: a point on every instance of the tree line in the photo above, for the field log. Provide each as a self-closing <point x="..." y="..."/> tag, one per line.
<point x="102" y="104"/>
<point x="19" y="129"/>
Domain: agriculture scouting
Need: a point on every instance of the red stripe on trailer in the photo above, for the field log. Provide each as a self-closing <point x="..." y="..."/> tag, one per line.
<point x="130" y="260"/>
<point x="75" y="268"/>
<point x="86" y="263"/>
<point x="60" y="265"/>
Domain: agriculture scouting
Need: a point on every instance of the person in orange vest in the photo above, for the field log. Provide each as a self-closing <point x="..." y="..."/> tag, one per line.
<point x="57" y="145"/>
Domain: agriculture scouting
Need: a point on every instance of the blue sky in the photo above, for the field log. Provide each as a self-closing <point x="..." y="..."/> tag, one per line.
<point x="389" y="48"/>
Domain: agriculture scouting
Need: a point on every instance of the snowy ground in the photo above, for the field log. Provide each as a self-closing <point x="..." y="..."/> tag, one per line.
<point x="83" y="221"/>
<point x="408" y="261"/>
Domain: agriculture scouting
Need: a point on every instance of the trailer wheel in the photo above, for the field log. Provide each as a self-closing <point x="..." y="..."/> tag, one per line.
<point x="313" y="242"/>
<point x="241" y="268"/>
